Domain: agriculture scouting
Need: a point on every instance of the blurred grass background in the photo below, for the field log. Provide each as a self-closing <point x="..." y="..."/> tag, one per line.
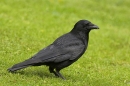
<point x="26" y="26"/>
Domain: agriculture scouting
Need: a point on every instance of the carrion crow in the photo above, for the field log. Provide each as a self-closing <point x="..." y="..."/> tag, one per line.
<point x="64" y="51"/>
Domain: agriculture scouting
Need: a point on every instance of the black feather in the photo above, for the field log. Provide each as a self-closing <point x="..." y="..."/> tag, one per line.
<point x="63" y="51"/>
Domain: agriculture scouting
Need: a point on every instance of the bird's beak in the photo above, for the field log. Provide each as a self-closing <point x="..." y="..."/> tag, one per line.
<point x="93" y="26"/>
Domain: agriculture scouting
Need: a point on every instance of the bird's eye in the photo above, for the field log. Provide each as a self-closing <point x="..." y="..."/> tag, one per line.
<point x="87" y="24"/>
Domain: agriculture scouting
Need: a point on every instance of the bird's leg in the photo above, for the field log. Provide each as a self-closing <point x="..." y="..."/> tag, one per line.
<point x="59" y="74"/>
<point x="52" y="71"/>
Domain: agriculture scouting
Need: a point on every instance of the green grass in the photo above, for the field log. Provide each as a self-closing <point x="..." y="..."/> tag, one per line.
<point x="26" y="26"/>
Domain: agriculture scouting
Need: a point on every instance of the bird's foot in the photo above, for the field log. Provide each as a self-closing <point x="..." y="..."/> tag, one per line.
<point x="59" y="74"/>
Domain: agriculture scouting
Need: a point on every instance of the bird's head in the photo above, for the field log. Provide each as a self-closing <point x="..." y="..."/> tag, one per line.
<point x="84" y="25"/>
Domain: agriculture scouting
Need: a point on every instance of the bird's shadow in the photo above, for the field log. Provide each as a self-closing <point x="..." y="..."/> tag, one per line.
<point x="39" y="73"/>
<point x="30" y="73"/>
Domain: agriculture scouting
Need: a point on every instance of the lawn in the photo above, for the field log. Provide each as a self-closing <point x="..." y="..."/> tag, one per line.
<point x="26" y="26"/>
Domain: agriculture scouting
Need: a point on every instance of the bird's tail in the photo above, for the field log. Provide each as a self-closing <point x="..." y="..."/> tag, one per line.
<point x="21" y="65"/>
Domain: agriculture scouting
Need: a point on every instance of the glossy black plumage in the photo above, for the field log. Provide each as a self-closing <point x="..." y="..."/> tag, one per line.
<point x="63" y="51"/>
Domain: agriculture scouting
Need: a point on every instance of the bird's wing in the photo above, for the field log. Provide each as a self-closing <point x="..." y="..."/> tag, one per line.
<point x="57" y="54"/>
<point x="72" y="52"/>
<point x="48" y="54"/>
<point x="67" y="47"/>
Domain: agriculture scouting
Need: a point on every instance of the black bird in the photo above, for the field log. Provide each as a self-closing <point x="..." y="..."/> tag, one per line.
<point x="63" y="51"/>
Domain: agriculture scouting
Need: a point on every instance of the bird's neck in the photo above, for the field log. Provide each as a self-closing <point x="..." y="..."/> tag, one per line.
<point x="85" y="37"/>
<point x="82" y="35"/>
